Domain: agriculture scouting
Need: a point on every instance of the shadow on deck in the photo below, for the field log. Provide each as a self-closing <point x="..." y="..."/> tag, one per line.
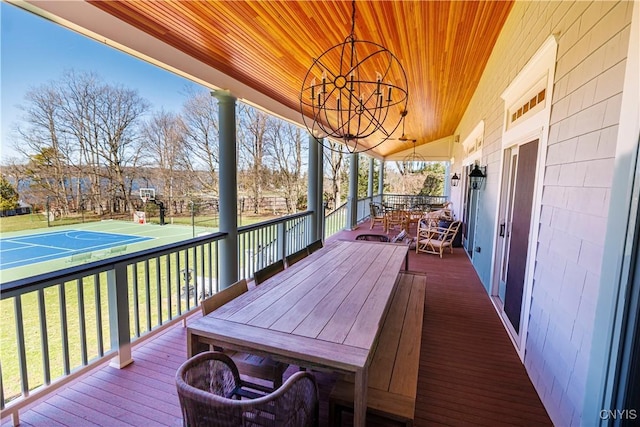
<point x="469" y="373"/>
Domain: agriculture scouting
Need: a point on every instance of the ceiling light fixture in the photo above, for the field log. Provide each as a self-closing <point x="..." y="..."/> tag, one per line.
<point x="352" y="91"/>
<point x="414" y="162"/>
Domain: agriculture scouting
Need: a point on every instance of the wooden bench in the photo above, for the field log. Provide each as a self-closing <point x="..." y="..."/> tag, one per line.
<point x="393" y="373"/>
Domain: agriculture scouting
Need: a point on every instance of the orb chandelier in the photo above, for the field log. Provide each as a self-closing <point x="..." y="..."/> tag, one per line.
<point x="414" y="162"/>
<point x="355" y="90"/>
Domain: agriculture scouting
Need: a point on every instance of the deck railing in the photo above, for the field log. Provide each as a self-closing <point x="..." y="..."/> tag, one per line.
<point x="264" y="243"/>
<point x="66" y="321"/>
<point x="336" y="220"/>
<point x="414" y="201"/>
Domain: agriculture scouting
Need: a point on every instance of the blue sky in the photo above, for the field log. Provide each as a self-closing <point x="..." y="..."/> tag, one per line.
<point x="35" y="51"/>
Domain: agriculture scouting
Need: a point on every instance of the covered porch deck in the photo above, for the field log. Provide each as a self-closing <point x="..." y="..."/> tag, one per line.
<point x="469" y="371"/>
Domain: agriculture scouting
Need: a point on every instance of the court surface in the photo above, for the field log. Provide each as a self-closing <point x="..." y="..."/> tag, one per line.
<point x="24" y="250"/>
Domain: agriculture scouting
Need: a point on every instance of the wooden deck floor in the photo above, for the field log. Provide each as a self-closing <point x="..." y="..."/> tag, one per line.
<point x="469" y="372"/>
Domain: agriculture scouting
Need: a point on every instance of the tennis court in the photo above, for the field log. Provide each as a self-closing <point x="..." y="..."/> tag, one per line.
<point x="24" y="250"/>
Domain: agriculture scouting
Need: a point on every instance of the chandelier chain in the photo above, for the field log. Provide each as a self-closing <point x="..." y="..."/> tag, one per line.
<point x="353" y="19"/>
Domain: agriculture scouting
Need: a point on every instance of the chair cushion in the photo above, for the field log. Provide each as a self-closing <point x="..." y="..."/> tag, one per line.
<point x="443" y="224"/>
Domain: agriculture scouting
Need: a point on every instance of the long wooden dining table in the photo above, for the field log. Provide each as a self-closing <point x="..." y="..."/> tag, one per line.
<point x="324" y="311"/>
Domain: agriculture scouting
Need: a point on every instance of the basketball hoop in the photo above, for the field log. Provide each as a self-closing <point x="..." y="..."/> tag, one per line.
<point x="147" y="194"/>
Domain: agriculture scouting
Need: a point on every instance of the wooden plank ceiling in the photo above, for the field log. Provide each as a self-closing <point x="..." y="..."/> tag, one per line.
<point x="269" y="46"/>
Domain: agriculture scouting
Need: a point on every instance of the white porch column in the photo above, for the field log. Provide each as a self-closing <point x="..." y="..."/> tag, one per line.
<point x="228" y="189"/>
<point x="447" y="180"/>
<point x="312" y="188"/>
<point x="381" y="181"/>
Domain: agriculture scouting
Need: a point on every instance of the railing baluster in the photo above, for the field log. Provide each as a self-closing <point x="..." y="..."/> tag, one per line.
<point x="148" y="293"/>
<point x="158" y="284"/>
<point x="159" y="291"/>
<point x="178" y="296"/>
<point x="24" y="376"/>
<point x="206" y="290"/>
<point x="98" y="301"/>
<point x="82" y="322"/>
<point x="136" y="307"/>
<point x="62" y="303"/>
<point x="214" y="246"/>
<point x="168" y="279"/>
<point x="44" y="338"/>
<point x="196" y="295"/>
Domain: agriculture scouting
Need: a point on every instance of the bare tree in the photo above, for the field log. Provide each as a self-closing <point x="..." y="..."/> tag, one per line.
<point x="334" y="159"/>
<point x="165" y="135"/>
<point x="286" y="152"/>
<point x="44" y="143"/>
<point x="200" y="116"/>
<point x="253" y="126"/>
<point x="90" y="129"/>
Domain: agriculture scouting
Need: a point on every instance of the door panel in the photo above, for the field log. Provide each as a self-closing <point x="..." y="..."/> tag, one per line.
<point x="511" y="162"/>
<point x="520" y="226"/>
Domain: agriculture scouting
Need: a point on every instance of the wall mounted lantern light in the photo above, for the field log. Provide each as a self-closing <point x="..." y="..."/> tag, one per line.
<point x="477" y="177"/>
<point x="455" y="179"/>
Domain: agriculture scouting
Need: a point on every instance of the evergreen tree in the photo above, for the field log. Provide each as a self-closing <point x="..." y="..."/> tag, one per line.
<point x="8" y="195"/>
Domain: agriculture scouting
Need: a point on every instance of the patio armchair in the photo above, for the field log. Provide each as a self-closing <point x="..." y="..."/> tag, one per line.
<point x="212" y="394"/>
<point x="434" y="240"/>
<point x="249" y="364"/>
<point x="376" y="213"/>
<point x="267" y="272"/>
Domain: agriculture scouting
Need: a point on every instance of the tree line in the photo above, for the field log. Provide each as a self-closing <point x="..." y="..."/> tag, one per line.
<point x="88" y="144"/>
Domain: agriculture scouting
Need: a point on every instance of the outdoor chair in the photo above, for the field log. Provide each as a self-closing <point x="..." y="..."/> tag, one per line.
<point x="434" y="240"/>
<point x="269" y="271"/>
<point x="212" y="394"/>
<point x="376" y="212"/>
<point x="315" y="246"/>
<point x="296" y="256"/>
<point x="395" y="217"/>
<point x="249" y="364"/>
<point x="373" y="237"/>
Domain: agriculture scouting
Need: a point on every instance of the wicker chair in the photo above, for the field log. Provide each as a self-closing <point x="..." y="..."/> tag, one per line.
<point x="373" y="237"/>
<point x="269" y="271"/>
<point x="249" y="364"/>
<point x="296" y="256"/>
<point x="434" y="240"/>
<point x="212" y="394"/>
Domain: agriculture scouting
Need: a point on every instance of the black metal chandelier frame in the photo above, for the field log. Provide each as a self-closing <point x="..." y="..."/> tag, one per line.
<point x="350" y="104"/>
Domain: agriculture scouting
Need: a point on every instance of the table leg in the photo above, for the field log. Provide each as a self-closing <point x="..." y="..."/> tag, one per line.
<point x="192" y="344"/>
<point x="360" y="398"/>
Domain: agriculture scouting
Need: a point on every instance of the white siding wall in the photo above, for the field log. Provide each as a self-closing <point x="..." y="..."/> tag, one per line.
<point x="592" y="46"/>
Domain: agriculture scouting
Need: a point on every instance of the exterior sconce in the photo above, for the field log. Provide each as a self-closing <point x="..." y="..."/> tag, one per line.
<point x="455" y="179"/>
<point x="477" y="177"/>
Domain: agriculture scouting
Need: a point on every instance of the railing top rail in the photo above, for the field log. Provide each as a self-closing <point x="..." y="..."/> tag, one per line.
<point x="18" y="286"/>
<point x="258" y="225"/>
